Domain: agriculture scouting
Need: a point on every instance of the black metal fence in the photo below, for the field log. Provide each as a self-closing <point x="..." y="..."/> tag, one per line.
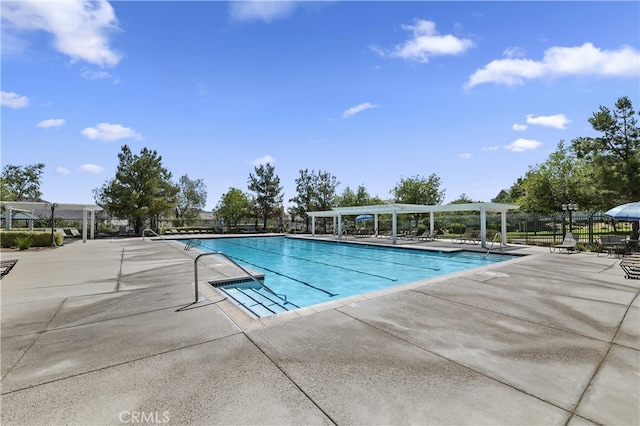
<point x="541" y="229"/>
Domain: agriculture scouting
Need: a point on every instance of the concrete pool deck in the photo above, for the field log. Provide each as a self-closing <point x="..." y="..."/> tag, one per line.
<point x="105" y="332"/>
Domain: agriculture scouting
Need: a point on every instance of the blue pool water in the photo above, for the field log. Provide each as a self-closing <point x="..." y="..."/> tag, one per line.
<point x="311" y="272"/>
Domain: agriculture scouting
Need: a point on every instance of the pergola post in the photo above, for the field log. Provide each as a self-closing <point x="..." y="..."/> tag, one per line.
<point x="503" y="228"/>
<point x="84" y="225"/>
<point x="93" y="223"/>
<point x="483" y="227"/>
<point x="339" y="226"/>
<point x="394" y="225"/>
<point x="313" y="226"/>
<point x="431" y="221"/>
<point x="7" y="219"/>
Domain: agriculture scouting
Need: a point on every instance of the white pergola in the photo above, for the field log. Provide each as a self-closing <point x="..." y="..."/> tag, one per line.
<point x="394" y="209"/>
<point x="28" y="206"/>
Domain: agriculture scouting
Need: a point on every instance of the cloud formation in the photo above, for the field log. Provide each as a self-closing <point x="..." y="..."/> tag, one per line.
<point x="585" y="60"/>
<point x="260" y="10"/>
<point x="558" y="121"/>
<point x="110" y="132"/>
<point x="52" y="122"/>
<point x="465" y="155"/>
<point x="90" y="168"/>
<point x="13" y="100"/>
<point x="80" y="28"/>
<point x="358" y="108"/>
<point x="521" y="145"/>
<point x="62" y="171"/>
<point x="426" y="42"/>
<point x="263" y="160"/>
<point x="519" y="127"/>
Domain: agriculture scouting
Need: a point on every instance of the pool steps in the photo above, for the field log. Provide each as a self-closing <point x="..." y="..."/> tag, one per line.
<point x="256" y="302"/>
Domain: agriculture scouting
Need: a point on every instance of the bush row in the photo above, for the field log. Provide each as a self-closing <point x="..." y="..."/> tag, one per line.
<point x="26" y="239"/>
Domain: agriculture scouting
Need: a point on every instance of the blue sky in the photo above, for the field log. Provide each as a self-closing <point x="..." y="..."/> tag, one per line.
<point x="371" y="92"/>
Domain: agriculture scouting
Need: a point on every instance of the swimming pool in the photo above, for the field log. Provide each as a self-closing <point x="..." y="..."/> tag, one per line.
<point x="307" y="272"/>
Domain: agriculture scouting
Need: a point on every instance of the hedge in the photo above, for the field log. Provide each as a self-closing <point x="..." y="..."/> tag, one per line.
<point x="10" y="239"/>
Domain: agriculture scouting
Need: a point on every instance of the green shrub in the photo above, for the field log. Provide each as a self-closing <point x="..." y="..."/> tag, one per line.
<point x="23" y="242"/>
<point x="10" y="239"/>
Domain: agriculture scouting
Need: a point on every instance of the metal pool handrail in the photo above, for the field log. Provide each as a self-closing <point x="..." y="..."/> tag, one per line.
<point x="249" y="274"/>
<point x="153" y="232"/>
<point x="491" y="246"/>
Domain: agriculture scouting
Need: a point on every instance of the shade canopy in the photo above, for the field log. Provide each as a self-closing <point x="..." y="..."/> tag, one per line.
<point x="20" y="216"/>
<point x="628" y="212"/>
<point x="363" y="217"/>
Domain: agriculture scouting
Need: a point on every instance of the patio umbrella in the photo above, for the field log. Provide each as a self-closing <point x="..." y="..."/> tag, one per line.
<point x="629" y="212"/>
<point x="363" y="217"/>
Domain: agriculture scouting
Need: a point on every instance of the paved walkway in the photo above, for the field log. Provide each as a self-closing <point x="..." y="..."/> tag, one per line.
<point x="104" y="332"/>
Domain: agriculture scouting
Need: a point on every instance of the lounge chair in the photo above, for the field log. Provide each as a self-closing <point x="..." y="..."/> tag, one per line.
<point x="429" y="235"/>
<point x="468" y="237"/>
<point x="410" y="236"/>
<point x="61" y="231"/>
<point x="568" y="244"/>
<point x="631" y="266"/>
<point x="75" y="233"/>
<point x="6" y="265"/>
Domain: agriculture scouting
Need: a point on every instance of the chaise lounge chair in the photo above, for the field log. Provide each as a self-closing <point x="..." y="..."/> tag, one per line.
<point x="61" y="231"/>
<point x="75" y="233"/>
<point x="631" y="266"/>
<point x="568" y="244"/>
<point x="429" y="235"/>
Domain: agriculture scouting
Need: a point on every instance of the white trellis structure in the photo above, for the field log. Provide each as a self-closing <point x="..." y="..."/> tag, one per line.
<point x="394" y="209"/>
<point x="88" y="213"/>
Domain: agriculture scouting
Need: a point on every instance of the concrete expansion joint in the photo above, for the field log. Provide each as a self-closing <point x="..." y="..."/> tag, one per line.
<point x="458" y="363"/>
<point x="291" y="379"/>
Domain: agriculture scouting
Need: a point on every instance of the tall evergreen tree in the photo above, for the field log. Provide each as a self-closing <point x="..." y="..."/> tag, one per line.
<point x="141" y="190"/>
<point x="265" y="184"/>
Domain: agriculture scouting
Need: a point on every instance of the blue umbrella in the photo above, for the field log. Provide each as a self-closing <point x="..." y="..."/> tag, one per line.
<point x="629" y="211"/>
<point x="363" y="217"/>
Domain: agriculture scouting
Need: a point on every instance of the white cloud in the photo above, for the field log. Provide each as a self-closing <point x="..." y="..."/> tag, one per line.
<point x="426" y="42"/>
<point x="465" y="155"/>
<point x="13" y="100"/>
<point x="52" y="122"/>
<point x="80" y="28"/>
<point x="110" y="132"/>
<point x="356" y="109"/>
<point x="585" y="60"/>
<point x="89" y="74"/>
<point x="519" y="127"/>
<point x="514" y="52"/>
<point x="521" y="145"/>
<point x="491" y="148"/>
<point x="266" y="11"/>
<point x="559" y="121"/>
<point x="263" y="160"/>
<point x="62" y="171"/>
<point x="90" y="168"/>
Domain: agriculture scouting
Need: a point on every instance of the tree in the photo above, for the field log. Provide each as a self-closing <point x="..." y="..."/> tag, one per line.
<point x="614" y="156"/>
<point x="306" y="195"/>
<point x="325" y="194"/>
<point x="268" y="192"/>
<point x="233" y="206"/>
<point x="141" y="190"/>
<point x="21" y="183"/>
<point x="545" y="187"/>
<point x="192" y="196"/>
<point x="419" y="190"/>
